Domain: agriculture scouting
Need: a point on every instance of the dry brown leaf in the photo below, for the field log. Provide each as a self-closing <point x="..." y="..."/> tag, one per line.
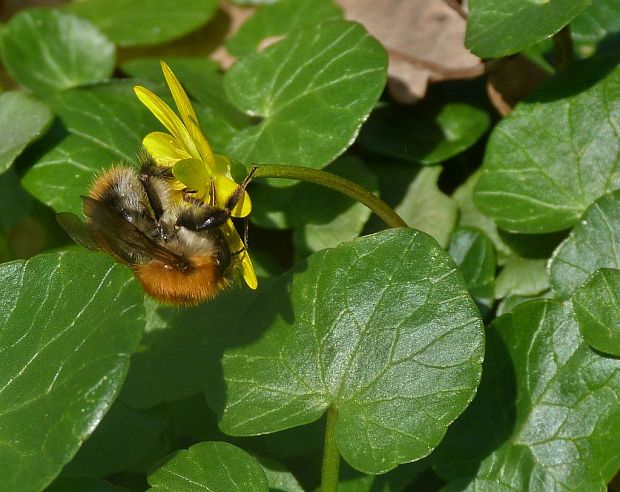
<point x="510" y="80"/>
<point x="424" y="39"/>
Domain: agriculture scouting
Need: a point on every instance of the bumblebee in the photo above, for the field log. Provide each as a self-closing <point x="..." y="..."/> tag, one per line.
<point x="174" y="244"/>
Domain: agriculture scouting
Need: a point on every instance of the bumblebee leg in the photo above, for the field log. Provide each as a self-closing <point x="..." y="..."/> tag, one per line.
<point x="239" y="192"/>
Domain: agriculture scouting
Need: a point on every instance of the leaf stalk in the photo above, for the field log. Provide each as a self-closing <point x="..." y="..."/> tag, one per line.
<point x="331" y="455"/>
<point x="334" y="182"/>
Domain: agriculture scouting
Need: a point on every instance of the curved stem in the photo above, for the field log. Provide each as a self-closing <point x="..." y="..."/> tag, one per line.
<point x="329" y="180"/>
<point x="331" y="455"/>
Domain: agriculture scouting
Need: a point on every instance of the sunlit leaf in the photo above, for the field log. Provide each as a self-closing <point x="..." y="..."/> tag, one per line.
<point x="280" y="19"/>
<point x="498" y="28"/>
<point x="106" y="124"/>
<point x="144" y="22"/>
<point x="312" y="91"/>
<point x="47" y="49"/>
<point x="555" y="153"/>
<point x="381" y="328"/>
<point x="593" y="243"/>
<point x="597" y="310"/>
<point x="209" y="466"/>
<point x="65" y="353"/>
<point x="546" y="416"/>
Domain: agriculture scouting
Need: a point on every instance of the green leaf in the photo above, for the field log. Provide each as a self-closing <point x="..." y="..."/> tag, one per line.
<point x="312" y="90"/>
<point x="599" y="22"/>
<point x="522" y="277"/>
<point x="145" y="22"/>
<point x="106" y="124"/>
<point x="209" y="466"/>
<point x="65" y="355"/>
<point x="279" y="479"/>
<point x="597" y="310"/>
<point x="22" y="120"/>
<point x="473" y="253"/>
<point x="83" y="484"/>
<point x="592" y="244"/>
<point x="47" y="49"/>
<point x="425" y="134"/>
<point x="381" y="328"/>
<point x="469" y="215"/>
<point x="497" y="28"/>
<point x="280" y="19"/>
<point x="546" y="416"/>
<point x="555" y="153"/>
<point x="202" y="78"/>
<point x="426" y="208"/>
<point x="111" y="449"/>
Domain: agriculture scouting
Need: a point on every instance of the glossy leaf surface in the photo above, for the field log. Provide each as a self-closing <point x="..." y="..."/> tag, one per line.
<point x="381" y="328"/>
<point x="48" y="50"/>
<point x="65" y="355"/>
<point x="311" y="92"/>
<point x="280" y="19"/>
<point x="597" y="310"/>
<point x="209" y="466"/>
<point x="498" y="28"/>
<point x="546" y="416"/>
<point x="556" y="153"/>
<point x="143" y="22"/>
<point x="594" y="243"/>
<point x="106" y="124"/>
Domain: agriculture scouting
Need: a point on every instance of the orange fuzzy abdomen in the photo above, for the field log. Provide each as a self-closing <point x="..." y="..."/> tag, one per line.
<point x="169" y="285"/>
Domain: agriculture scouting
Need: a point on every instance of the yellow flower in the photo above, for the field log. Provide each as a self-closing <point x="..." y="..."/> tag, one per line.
<point x="186" y="150"/>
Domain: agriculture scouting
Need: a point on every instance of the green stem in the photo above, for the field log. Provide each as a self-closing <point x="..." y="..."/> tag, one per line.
<point x="331" y="456"/>
<point x="329" y="180"/>
<point x="563" y="48"/>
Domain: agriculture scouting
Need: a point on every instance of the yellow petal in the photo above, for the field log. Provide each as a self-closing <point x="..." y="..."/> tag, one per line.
<point x="235" y="244"/>
<point x="188" y="115"/>
<point x="164" y="148"/>
<point x="168" y="118"/>
<point x="224" y="188"/>
<point x="222" y="164"/>
<point x="194" y="174"/>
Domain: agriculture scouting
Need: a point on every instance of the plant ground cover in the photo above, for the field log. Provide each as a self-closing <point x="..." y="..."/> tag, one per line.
<point x="428" y="298"/>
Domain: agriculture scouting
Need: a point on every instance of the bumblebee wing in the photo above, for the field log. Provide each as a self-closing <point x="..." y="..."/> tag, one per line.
<point x="78" y="230"/>
<point x="125" y="240"/>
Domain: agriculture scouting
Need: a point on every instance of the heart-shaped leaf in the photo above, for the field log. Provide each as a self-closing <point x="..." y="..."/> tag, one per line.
<point x="424" y="134"/>
<point x="555" y="153"/>
<point x="473" y="252"/>
<point x="209" y="466"/>
<point x="547" y="415"/>
<point x="497" y="28"/>
<point x="68" y="325"/>
<point x="592" y="244"/>
<point x="47" y="49"/>
<point x="106" y="124"/>
<point x="312" y="90"/>
<point x="597" y="310"/>
<point x="280" y="19"/>
<point x="144" y="22"/>
<point x="381" y="328"/>
<point x="22" y="120"/>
